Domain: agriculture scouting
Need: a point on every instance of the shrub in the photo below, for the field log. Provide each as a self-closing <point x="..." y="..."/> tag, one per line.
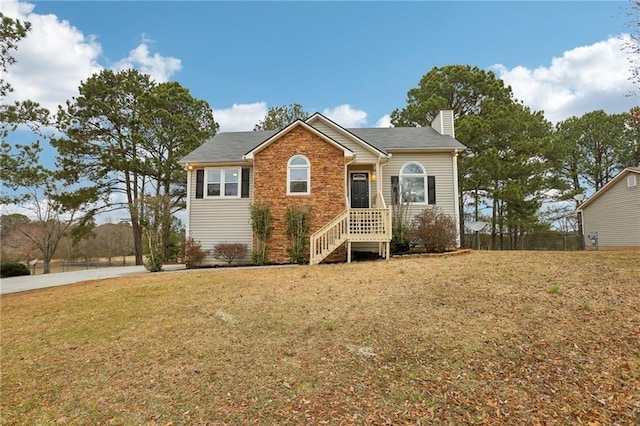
<point x="13" y="269"/>
<point x="154" y="258"/>
<point x="193" y="253"/>
<point x="399" y="238"/>
<point x="298" y="218"/>
<point x="433" y="230"/>
<point x="261" y="225"/>
<point x="230" y="251"/>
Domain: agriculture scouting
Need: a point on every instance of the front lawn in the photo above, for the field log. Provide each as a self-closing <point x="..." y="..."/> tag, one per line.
<point x="482" y="338"/>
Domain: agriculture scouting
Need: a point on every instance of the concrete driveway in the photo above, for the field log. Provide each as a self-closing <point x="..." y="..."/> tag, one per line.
<point x="34" y="282"/>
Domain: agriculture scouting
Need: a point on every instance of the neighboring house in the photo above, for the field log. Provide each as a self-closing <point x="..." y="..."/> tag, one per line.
<point x="611" y="216"/>
<point x="349" y="177"/>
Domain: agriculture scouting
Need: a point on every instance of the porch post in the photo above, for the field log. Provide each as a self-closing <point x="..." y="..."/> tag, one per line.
<point x="187" y="221"/>
<point x="456" y="202"/>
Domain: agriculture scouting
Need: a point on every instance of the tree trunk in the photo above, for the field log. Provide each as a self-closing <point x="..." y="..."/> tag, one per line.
<point x="137" y="241"/>
<point x="494" y="215"/>
<point x="461" y="214"/>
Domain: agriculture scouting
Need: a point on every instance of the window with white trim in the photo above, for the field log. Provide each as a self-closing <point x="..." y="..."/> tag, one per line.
<point x="223" y="183"/>
<point x="413" y="183"/>
<point x="298" y="175"/>
<point x="631" y="181"/>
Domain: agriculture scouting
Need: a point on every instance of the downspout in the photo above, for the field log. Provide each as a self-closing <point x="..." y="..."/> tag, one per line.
<point x="187" y="228"/>
<point x="456" y="203"/>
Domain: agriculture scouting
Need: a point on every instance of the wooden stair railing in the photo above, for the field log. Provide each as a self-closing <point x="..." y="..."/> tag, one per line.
<point x="352" y="225"/>
<point x="329" y="237"/>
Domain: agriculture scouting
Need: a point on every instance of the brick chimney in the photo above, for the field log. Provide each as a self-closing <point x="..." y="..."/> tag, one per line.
<point x="443" y="123"/>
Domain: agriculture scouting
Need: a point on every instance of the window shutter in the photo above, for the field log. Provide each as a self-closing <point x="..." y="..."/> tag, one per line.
<point x="395" y="189"/>
<point x="200" y="183"/>
<point x="245" y="182"/>
<point x="431" y="189"/>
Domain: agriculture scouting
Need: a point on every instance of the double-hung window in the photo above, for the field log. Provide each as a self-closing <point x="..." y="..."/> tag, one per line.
<point x="298" y="176"/>
<point x="223" y="182"/>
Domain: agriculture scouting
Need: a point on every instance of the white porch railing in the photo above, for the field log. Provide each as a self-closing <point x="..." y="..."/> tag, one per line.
<point x="369" y="225"/>
<point x="352" y="225"/>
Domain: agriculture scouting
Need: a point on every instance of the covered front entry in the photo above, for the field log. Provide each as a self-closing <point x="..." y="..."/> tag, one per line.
<point x="359" y="190"/>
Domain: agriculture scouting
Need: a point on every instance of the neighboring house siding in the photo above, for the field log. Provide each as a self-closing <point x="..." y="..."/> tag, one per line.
<point x="327" y="189"/>
<point x="615" y="216"/>
<point x="438" y="164"/>
<point x="363" y="155"/>
<point x="213" y="221"/>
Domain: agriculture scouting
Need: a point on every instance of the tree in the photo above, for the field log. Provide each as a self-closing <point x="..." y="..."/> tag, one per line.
<point x="488" y="122"/>
<point x="26" y="113"/>
<point x="114" y="239"/>
<point x="14" y="247"/>
<point x="279" y="117"/>
<point x="514" y="168"/>
<point x="34" y="186"/>
<point x="173" y="124"/>
<point x="630" y="156"/>
<point x="125" y="134"/>
<point x="53" y="212"/>
<point x="11" y="32"/>
<point x="595" y="148"/>
<point x="461" y="88"/>
<point x="632" y="44"/>
<point x="101" y="143"/>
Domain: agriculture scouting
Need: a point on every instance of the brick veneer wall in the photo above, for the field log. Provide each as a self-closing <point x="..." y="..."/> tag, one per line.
<point x="270" y="184"/>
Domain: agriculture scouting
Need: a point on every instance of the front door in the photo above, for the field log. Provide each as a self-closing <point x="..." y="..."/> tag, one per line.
<point x="360" y="190"/>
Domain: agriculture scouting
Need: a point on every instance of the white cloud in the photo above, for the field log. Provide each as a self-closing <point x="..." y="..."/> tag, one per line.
<point x="55" y="57"/>
<point x="160" y="68"/>
<point x="583" y="79"/>
<point x="384" y="121"/>
<point x="51" y="60"/>
<point x="240" y="117"/>
<point x="346" y="116"/>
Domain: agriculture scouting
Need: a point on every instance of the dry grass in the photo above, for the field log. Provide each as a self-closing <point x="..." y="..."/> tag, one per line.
<point x="484" y="338"/>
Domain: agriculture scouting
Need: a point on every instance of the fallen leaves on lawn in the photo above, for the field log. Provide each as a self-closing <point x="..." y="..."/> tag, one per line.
<point x="479" y="338"/>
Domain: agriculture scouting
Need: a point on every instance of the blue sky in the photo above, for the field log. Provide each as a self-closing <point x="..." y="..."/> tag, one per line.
<point x="353" y="61"/>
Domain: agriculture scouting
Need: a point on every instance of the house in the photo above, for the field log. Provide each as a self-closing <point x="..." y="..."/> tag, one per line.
<point x="349" y="178"/>
<point x="611" y="216"/>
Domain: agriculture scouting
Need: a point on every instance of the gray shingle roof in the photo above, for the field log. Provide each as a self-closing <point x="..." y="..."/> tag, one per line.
<point x="389" y="138"/>
<point x="227" y="147"/>
<point x="231" y="146"/>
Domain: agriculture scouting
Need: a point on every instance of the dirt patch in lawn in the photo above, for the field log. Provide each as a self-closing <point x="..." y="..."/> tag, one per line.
<point x="484" y="338"/>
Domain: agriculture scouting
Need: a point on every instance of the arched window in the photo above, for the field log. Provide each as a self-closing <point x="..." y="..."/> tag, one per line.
<point x="413" y="183"/>
<point x="298" y="175"/>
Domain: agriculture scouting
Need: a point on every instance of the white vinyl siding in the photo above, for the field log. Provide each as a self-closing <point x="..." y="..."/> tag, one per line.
<point x="443" y="123"/>
<point x="438" y="164"/>
<point x="615" y="216"/>
<point x="215" y="220"/>
<point x="363" y="155"/>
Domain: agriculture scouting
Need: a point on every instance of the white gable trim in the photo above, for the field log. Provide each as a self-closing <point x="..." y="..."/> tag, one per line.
<point x="347" y="152"/>
<point x="366" y="145"/>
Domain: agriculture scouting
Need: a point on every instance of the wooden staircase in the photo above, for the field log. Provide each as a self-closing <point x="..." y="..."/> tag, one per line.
<point x="351" y="225"/>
